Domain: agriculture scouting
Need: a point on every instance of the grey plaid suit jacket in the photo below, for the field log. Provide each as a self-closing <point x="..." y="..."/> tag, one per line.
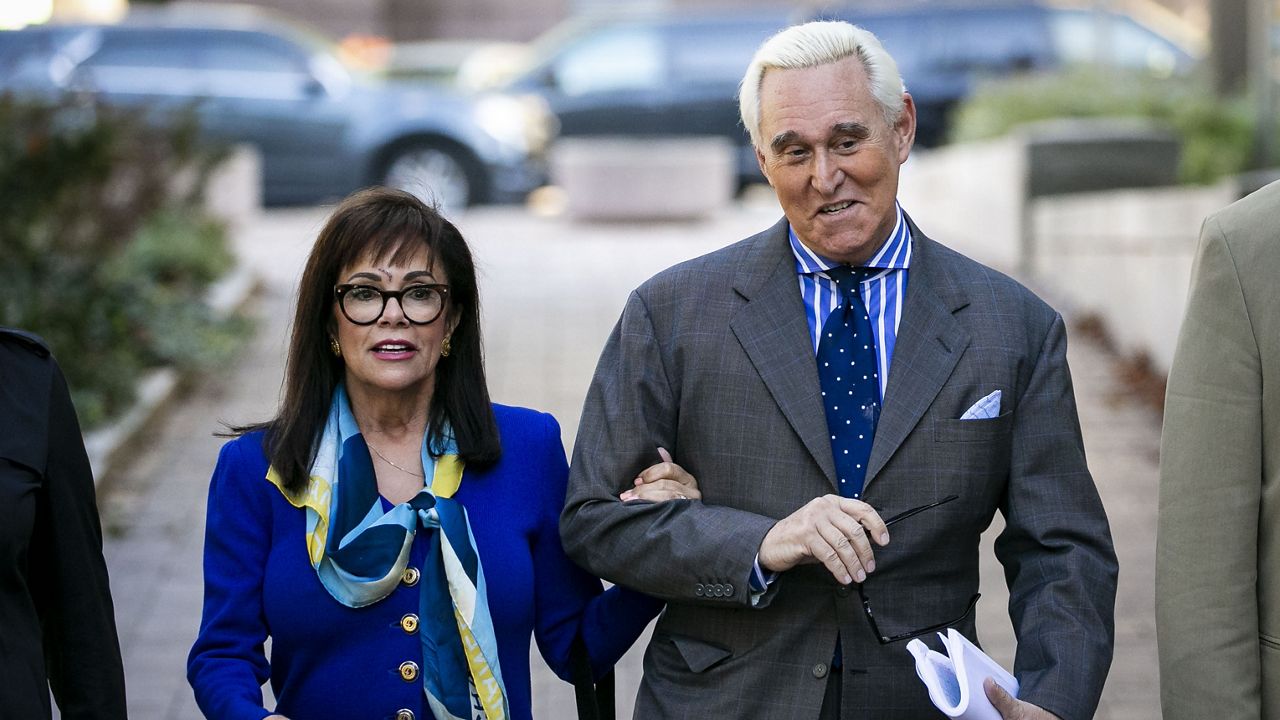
<point x="712" y="359"/>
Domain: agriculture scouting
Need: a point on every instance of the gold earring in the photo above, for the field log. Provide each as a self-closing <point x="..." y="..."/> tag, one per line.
<point x="445" y="347"/>
<point x="335" y="347"/>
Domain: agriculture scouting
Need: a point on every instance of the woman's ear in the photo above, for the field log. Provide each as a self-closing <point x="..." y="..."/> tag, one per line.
<point x="455" y="317"/>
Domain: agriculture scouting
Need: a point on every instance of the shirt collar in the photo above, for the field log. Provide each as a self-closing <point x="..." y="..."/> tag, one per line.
<point x="894" y="252"/>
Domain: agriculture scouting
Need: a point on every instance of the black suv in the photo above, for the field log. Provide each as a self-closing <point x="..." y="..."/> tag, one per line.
<point x="943" y="50"/>
<point x="674" y="74"/>
<point x="678" y="73"/>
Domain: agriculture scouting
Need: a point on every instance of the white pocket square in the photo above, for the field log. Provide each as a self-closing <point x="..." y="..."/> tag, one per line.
<point x="985" y="409"/>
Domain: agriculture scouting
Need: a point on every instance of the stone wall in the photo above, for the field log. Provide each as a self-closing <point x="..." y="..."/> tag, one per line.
<point x="971" y="197"/>
<point x="1123" y="255"/>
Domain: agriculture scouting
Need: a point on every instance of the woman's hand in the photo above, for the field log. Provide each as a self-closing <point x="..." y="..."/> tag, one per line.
<point x="662" y="482"/>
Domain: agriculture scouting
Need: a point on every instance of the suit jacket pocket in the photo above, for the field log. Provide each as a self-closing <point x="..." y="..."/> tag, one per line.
<point x="949" y="430"/>
<point x="699" y="655"/>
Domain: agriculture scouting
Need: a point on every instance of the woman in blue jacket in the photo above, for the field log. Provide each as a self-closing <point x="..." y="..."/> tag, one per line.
<point x="391" y="531"/>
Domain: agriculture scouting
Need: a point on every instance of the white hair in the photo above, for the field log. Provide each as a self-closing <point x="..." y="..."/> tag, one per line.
<point x="819" y="43"/>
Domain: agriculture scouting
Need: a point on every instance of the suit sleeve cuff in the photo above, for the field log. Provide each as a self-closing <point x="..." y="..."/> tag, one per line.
<point x="759" y="581"/>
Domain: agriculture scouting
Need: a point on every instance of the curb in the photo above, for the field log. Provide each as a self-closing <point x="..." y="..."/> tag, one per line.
<point x="157" y="387"/>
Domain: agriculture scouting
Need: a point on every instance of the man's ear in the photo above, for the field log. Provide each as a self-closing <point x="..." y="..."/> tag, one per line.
<point x="764" y="169"/>
<point x="905" y="127"/>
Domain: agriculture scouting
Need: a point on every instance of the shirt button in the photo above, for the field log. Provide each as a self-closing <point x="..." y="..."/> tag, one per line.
<point x="820" y="670"/>
<point x="843" y="591"/>
<point x="728" y="590"/>
<point x="699" y="590"/>
<point x="408" y="671"/>
<point x="410" y="576"/>
<point x="409" y="623"/>
<point x="404" y="714"/>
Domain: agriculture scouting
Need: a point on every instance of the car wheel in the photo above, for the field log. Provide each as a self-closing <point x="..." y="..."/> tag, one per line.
<point x="434" y="174"/>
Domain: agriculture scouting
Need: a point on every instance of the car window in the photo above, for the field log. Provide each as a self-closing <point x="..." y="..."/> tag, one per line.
<point x="905" y="38"/>
<point x="614" y="59"/>
<point x="17" y="46"/>
<point x="250" y="52"/>
<point x="911" y="37"/>
<point x="1081" y="36"/>
<point x="254" y="65"/>
<point x="137" y="62"/>
<point x="196" y="63"/>
<point x="26" y="57"/>
<point x="996" y="42"/>
<point x="714" y="53"/>
<point x="134" y="49"/>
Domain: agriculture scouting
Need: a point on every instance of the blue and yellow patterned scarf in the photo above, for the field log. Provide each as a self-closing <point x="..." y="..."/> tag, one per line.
<point x="360" y="551"/>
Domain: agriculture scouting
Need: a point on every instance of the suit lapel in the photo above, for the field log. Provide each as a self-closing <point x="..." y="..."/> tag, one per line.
<point x="930" y="343"/>
<point x="773" y="332"/>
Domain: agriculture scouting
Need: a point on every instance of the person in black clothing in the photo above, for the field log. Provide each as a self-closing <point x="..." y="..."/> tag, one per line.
<point x="57" y="625"/>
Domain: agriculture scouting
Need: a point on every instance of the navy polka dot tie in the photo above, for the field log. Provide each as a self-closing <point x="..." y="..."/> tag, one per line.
<point x="850" y="381"/>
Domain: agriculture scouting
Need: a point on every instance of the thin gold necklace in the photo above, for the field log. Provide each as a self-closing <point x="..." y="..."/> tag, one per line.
<point x="387" y="461"/>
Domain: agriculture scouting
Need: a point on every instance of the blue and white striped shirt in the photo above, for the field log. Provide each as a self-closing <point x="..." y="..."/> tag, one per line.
<point x="882" y="292"/>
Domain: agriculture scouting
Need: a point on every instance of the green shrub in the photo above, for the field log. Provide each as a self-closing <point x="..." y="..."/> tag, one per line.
<point x="1216" y="135"/>
<point x="103" y="248"/>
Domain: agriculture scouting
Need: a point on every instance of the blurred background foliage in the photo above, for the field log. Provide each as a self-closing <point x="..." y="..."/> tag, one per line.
<point x="106" y="252"/>
<point x="1216" y="134"/>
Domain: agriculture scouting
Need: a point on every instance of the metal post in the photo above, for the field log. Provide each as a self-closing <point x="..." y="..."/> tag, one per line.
<point x="1228" y="39"/>
<point x="1262" y="83"/>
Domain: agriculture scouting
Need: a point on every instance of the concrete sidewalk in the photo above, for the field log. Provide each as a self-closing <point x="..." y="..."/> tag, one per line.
<point x="551" y="292"/>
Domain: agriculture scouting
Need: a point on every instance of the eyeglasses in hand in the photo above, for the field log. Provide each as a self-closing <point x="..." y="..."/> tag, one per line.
<point x="866" y="603"/>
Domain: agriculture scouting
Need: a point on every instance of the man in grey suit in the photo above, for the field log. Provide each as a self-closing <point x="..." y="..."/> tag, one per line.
<point x="1218" y="548"/>
<point x="791" y="591"/>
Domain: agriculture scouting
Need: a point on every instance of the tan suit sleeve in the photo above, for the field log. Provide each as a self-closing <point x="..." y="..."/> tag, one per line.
<point x="1210" y="494"/>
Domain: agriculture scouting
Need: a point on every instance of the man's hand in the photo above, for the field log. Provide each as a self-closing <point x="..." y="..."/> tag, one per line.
<point x="832" y="530"/>
<point x="662" y="482"/>
<point x="1011" y="708"/>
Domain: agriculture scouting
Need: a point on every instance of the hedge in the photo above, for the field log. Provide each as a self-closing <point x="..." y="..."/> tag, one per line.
<point x="1216" y="134"/>
<point x="104" y="249"/>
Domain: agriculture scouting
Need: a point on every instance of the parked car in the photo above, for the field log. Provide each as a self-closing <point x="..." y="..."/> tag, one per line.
<point x="944" y="49"/>
<point x="649" y="75"/>
<point x="677" y="73"/>
<point x="323" y="129"/>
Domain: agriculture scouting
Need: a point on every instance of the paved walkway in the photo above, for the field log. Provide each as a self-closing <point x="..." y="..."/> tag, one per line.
<point x="551" y="292"/>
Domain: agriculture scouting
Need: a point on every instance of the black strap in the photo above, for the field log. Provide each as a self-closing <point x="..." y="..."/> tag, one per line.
<point x="595" y="699"/>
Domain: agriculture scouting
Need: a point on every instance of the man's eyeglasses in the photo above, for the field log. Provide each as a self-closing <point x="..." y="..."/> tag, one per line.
<point x="866" y="603"/>
<point x="364" y="304"/>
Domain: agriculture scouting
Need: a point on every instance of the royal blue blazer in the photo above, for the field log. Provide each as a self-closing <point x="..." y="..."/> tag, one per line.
<point x="330" y="661"/>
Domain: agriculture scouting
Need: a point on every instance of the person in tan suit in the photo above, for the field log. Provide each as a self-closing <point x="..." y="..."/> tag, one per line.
<point x="1218" y="549"/>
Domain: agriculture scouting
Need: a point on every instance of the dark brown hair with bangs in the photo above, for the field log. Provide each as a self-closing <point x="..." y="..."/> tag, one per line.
<point x="380" y="223"/>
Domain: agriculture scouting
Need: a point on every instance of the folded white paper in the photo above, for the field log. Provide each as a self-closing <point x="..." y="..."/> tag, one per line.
<point x="955" y="680"/>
